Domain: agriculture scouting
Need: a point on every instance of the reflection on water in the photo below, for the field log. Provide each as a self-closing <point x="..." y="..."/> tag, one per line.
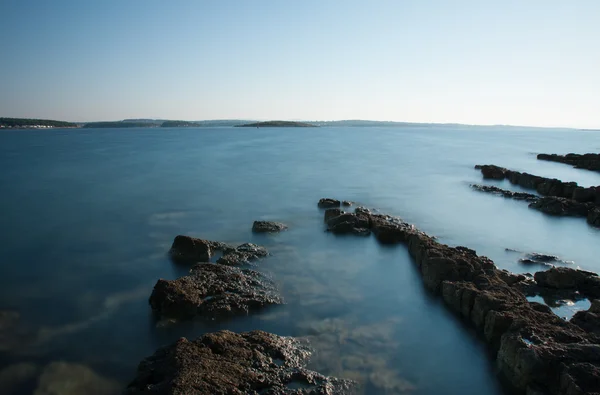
<point x="86" y="232"/>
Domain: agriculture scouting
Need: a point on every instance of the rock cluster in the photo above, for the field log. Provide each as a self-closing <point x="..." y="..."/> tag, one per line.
<point x="329" y="203"/>
<point x="535" y="350"/>
<point x="559" y="198"/>
<point x="585" y="161"/>
<point x="212" y="290"/>
<point x="503" y="192"/>
<point x="192" y="250"/>
<point x="233" y="363"/>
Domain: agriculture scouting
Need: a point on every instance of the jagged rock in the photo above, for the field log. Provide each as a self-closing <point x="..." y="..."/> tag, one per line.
<point x="190" y="249"/>
<point x="561" y="206"/>
<point x="329" y="203"/>
<point x="212" y="290"/>
<point x="243" y="255"/>
<point x="332" y="213"/>
<point x="535" y="259"/>
<point x="224" y="362"/>
<point x="588" y="320"/>
<point x="585" y="161"/>
<point x="346" y="223"/>
<point x="268" y="227"/>
<point x="504" y="192"/>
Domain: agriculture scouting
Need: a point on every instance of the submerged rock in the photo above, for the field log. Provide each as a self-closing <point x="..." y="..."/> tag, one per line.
<point x="268" y="227"/>
<point x="211" y="291"/>
<point x="329" y="203"/>
<point x="243" y="255"/>
<point x="73" y="379"/>
<point x="347" y="203"/>
<point x="536" y="258"/>
<point x="504" y="192"/>
<point x="224" y="362"/>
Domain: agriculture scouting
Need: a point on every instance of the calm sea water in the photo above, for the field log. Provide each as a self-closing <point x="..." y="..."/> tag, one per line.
<point x="88" y="216"/>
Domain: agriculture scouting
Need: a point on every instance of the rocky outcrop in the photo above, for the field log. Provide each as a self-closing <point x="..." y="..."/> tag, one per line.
<point x="332" y="213"/>
<point x="244" y="254"/>
<point x="329" y="203"/>
<point x="268" y="227"/>
<point x="559" y="198"/>
<point x="503" y="192"/>
<point x="230" y="363"/>
<point x="585" y="161"/>
<point x="544" y="186"/>
<point x="536" y="258"/>
<point x="211" y="291"/>
<point x="589" y="320"/>
<point x="535" y="350"/>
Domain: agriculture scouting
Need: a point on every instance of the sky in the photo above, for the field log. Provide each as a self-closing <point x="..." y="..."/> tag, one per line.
<point x="534" y="62"/>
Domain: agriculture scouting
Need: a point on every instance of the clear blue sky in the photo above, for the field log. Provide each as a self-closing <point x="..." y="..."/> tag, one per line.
<point x="524" y="62"/>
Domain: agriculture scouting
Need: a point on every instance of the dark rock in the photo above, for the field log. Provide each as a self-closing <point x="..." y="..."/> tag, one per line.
<point x="561" y="207"/>
<point x="585" y="161"/>
<point x="268" y="227"/>
<point x="230" y="363"/>
<point x="332" y="213"/>
<point x="584" y="194"/>
<point x="329" y="203"/>
<point x="504" y="192"/>
<point x="362" y="211"/>
<point x="349" y="223"/>
<point x="492" y="172"/>
<point x="190" y="249"/>
<point x="593" y="217"/>
<point x="347" y="203"/>
<point x="211" y="291"/>
<point x="535" y="259"/>
<point x="243" y="255"/>
<point x="587" y="320"/>
<point x="587" y="283"/>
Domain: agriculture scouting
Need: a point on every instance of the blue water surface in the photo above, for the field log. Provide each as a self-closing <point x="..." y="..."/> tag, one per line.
<point x="89" y="214"/>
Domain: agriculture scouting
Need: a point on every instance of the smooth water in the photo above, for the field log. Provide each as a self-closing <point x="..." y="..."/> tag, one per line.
<point x="88" y="216"/>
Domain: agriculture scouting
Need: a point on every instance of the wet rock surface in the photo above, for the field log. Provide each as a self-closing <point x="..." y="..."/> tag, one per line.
<point x="244" y="254"/>
<point x="561" y="207"/>
<point x="589" y="320"/>
<point x="329" y="203"/>
<point x="211" y="291"/>
<point x="190" y="249"/>
<point x="348" y="223"/>
<point x="268" y="227"/>
<point x="537" y="258"/>
<point x="504" y="192"/>
<point x="580" y="161"/>
<point x="224" y="362"/>
<point x="535" y="350"/>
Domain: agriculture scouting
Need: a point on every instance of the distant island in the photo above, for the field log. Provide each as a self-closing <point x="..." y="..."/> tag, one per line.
<point x="23" y="123"/>
<point x="117" y="124"/>
<point x="277" y="124"/>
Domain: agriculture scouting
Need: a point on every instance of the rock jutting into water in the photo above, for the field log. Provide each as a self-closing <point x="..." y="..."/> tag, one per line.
<point x="589" y="320"/>
<point x="331" y="213"/>
<point x="212" y="290"/>
<point x="560" y="198"/>
<point x="585" y="161"/>
<point x="536" y="351"/>
<point x="505" y="193"/>
<point x="192" y="250"/>
<point x="268" y="227"/>
<point x="329" y="203"/>
<point x="224" y="362"/>
<point x="536" y="258"/>
<point x="348" y="223"/>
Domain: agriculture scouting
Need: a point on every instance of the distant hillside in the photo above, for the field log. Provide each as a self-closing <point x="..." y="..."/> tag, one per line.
<point x="117" y="124"/>
<point x="177" y="124"/>
<point x="25" y="123"/>
<point x="277" y="124"/>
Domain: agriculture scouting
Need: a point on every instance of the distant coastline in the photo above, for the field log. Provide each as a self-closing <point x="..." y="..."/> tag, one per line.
<point x="27" y="123"/>
<point x="278" y="124"/>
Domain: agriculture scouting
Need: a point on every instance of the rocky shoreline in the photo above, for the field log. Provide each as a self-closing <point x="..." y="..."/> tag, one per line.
<point x="558" y="198"/>
<point x="536" y="352"/>
<point x="579" y="161"/>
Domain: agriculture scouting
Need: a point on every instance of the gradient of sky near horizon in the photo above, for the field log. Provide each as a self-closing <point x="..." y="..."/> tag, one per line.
<point x="534" y="62"/>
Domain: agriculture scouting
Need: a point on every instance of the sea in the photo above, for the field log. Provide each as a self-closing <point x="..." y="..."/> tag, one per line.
<point x="88" y="216"/>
